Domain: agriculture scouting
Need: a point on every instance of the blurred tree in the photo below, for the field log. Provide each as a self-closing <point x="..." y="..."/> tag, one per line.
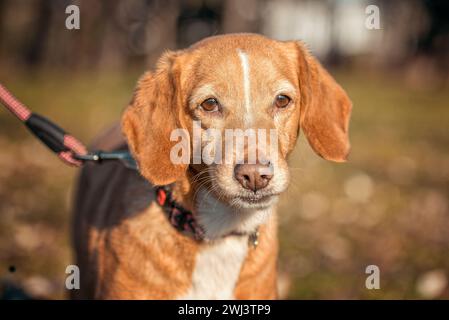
<point x="197" y="20"/>
<point x="34" y="49"/>
<point x="122" y="34"/>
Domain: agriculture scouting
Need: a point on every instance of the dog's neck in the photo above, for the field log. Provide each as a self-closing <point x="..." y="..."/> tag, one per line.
<point x="215" y="217"/>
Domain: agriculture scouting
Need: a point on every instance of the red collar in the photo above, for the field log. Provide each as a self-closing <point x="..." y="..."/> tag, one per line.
<point x="184" y="221"/>
<point x="180" y="218"/>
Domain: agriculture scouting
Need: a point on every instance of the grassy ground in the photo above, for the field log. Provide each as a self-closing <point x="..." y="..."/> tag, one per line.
<point x="387" y="206"/>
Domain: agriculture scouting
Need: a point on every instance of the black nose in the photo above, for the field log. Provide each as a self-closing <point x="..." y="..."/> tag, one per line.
<point x="253" y="176"/>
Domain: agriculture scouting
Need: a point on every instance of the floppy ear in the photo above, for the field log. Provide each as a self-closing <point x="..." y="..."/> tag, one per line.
<point x="325" y="109"/>
<point x="149" y="120"/>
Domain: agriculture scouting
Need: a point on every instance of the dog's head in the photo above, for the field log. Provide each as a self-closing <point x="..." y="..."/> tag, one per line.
<point x="236" y="82"/>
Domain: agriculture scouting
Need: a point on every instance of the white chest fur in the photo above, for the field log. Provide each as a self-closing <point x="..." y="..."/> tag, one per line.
<point x="217" y="269"/>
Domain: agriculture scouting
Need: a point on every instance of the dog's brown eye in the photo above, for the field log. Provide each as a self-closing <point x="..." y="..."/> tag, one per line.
<point x="210" y="105"/>
<point x="282" y="101"/>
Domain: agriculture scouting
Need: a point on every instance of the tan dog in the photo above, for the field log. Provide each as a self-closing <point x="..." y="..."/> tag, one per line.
<point x="126" y="246"/>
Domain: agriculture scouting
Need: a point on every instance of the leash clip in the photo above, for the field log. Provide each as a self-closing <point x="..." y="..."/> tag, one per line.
<point x="100" y="156"/>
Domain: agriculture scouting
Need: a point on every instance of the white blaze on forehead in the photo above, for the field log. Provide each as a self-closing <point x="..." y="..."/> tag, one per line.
<point x="246" y="85"/>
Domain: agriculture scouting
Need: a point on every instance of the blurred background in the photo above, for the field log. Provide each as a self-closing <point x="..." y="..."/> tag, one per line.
<point x="388" y="206"/>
